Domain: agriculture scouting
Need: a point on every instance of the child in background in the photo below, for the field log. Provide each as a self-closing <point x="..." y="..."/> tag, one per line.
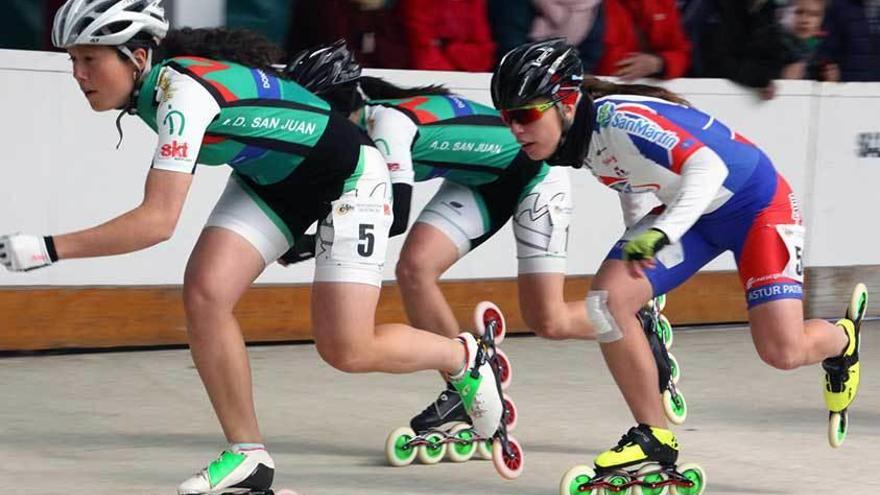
<point x="803" y="25"/>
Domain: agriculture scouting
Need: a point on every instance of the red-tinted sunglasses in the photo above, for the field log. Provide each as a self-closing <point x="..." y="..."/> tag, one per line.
<point x="527" y="114"/>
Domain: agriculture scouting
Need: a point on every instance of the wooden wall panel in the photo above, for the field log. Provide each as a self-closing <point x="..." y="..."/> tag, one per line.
<point x="57" y="318"/>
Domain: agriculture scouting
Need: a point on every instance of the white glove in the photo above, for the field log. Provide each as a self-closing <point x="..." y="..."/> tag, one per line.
<point x="20" y="252"/>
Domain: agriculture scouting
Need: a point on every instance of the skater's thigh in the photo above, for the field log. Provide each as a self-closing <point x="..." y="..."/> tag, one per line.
<point x="428" y="248"/>
<point x="343" y="314"/>
<point x="777" y="327"/>
<point x="626" y="293"/>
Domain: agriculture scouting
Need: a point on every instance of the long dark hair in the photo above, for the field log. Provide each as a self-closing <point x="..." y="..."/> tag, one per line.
<point x="376" y="88"/>
<point x="239" y="46"/>
<point x="597" y="88"/>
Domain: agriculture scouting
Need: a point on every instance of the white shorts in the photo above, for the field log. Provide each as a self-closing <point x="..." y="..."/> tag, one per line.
<point x="541" y="220"/>
<point x="352" y="238"/>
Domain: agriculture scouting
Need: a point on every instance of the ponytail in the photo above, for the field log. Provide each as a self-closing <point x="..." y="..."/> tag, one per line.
<point x="376" y="88"/>
<point x="239" y="46"/>
<point x="597" y="88"/>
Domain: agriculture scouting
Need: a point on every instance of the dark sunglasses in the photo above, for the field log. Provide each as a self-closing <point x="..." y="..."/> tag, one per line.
<point x="527" y="114"/>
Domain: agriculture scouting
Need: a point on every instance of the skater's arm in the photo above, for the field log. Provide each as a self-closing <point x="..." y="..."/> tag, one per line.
<point x="394" y="134"/>
<point x="702" y="177"/>
<point x="636" y="206"/>
<point x="150" y="223"/>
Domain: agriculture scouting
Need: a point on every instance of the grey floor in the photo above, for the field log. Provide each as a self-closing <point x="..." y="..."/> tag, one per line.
<point x="139" y="422"/>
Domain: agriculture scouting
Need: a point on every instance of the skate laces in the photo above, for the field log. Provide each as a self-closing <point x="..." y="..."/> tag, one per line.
<point x="626" y="440"/>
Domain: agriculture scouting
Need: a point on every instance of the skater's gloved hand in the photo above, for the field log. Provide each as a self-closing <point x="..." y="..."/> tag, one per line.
<point x="642" y="249"/>
<point x="303" y="249"/>
<point x="20" y="252"/>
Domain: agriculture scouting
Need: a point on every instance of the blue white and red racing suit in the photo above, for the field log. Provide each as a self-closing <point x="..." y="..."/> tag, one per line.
<point x="717" y="190"/>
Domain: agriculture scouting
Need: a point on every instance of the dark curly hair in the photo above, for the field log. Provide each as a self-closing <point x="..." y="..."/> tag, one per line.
<point x="240" y="46"/>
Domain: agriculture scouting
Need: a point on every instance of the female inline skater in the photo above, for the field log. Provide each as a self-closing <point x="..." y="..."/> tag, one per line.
<point x="426" y="133"/>
<point x="719" y="192"/>
<point x="214" y="98"/>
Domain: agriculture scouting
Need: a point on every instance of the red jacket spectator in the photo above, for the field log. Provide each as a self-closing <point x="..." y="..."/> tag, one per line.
<point x="449" y="34"/>
<point x="649" y="27"/>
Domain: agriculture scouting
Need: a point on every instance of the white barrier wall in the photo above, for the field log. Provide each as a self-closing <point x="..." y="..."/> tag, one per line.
<point x="61" y="172"/>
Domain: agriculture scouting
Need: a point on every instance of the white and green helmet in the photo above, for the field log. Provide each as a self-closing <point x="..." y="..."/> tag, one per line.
<point x="108" y="22"/>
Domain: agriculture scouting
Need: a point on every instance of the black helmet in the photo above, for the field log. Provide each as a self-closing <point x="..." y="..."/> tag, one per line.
<point x="324" y="67"/>
<point x="534" y="70"/>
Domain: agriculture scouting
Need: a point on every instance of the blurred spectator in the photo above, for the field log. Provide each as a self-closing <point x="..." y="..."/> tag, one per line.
<point x="263" y="16"/>
<point x="694" y="15"/>
<point x="803" y="24"/>
<point x="580" y="22"/>
<point x="372" y="28"/>
<point x="742" y="41"/>
<point x="643" y="38"/>
<point x="449" y="34"/>
<point x="853" y="41"/>
<point x="511" y="21"/>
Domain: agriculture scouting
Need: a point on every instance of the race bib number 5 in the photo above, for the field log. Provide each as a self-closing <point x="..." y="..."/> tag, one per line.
<point x="360" y="230"/>
<point x="793" y="238"/>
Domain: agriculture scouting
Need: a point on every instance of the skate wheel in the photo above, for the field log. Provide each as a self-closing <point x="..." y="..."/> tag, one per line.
<point x="664" y="331"/>
<point x="433" y="450"/>
<point x="511" y="415"/>
<point x="658" y="303"/>
<point x="675" y="407"/>
<point x="504" y="370"/>
<point x="695" y="474"/>
<point x="674" y="369"/>
<point x="618" y="484"/>
<point x="858" y="303"/>
<point x="484" y="449"/>
<point x="651" y="481"/>
<point x="463" y="448"/>
<point x="487" y="312"/>
<point x="398" y="448"/>
<point x="837" y="428"/>
<point x="575" y="478"/>
<point x="510" y="467"/>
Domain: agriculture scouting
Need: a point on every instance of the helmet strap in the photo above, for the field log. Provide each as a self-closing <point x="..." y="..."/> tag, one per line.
<point x="139" y="74"/>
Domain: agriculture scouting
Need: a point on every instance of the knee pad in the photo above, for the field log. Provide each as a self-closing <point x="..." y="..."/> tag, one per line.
<point x="600" y="316"/>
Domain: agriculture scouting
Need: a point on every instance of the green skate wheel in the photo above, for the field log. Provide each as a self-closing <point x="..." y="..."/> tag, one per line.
<point x="484" y="449"/>
<point x="464" y="447"/>
<point x="434" y="450"/>
<point x="398" y="449"/>
<point x="675" y="407"/>
<point x="620" y="485"/>
<point x="674" y="368"/>
<point x="695" y="474"/>
<point x="858" y="303"/>
<point x="837" y="428"/>
<point x="510" y="467"/>
<point x="648" y="476"/>
<point x="664" y="331"/>
<point x="660" y="302"/>
<point x="575" y="478"/>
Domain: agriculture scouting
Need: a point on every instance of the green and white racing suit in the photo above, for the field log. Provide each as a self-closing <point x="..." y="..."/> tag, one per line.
<point x="294" y="162"/>
<point x="487" y="177"/>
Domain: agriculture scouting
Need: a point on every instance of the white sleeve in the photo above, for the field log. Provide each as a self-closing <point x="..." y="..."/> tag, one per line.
<point x="702" y="176"/>
<point x="636" y="206"/>
<point x="394" y="133"/>
<point x="186" y="109"/>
